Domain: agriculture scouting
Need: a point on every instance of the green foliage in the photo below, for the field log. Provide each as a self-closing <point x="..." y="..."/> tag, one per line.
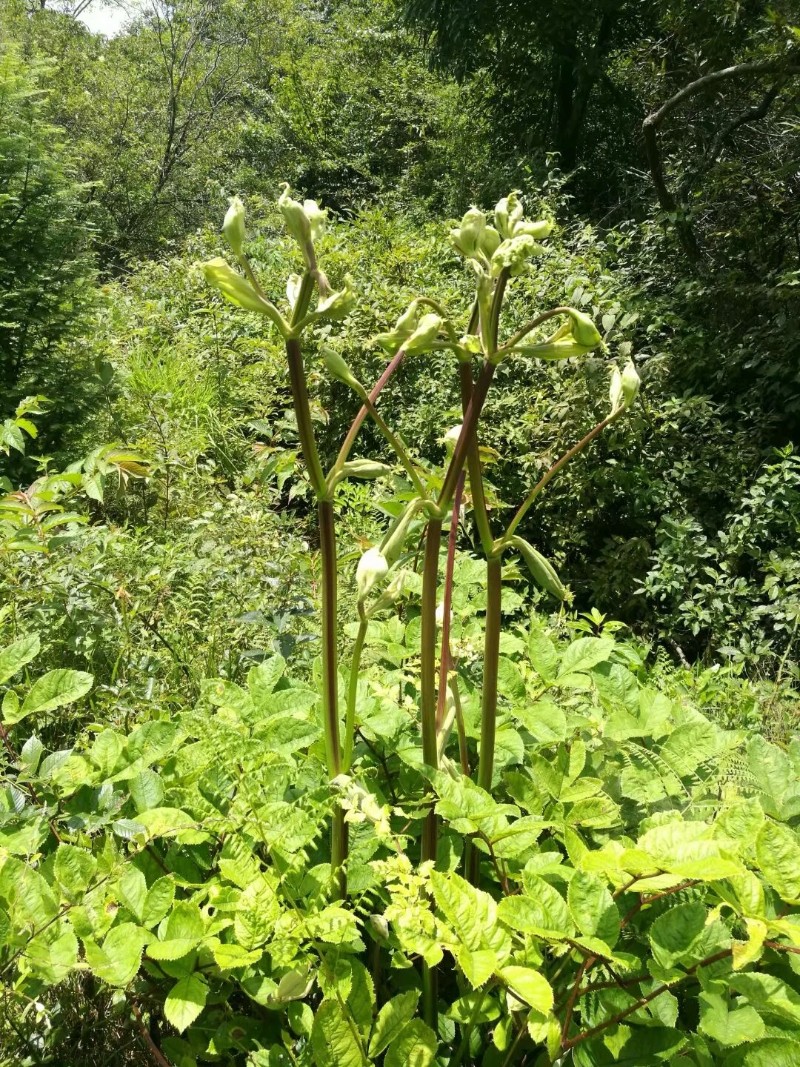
<point x="46" y="269"/>
<point x="630" y="884"/>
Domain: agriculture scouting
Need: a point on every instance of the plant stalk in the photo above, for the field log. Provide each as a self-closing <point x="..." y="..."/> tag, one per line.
<point x="327" y="541"/>
<point x="352" y="693"/>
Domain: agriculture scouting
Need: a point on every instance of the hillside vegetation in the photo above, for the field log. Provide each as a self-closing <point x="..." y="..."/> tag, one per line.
<point x="400" y="583"/>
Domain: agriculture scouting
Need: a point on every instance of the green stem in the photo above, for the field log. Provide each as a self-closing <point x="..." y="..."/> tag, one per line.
<point x="548" y="476"/>
<point x="327" y="542"/>
<point x="538" y="321"/>
<point x="358" y="421"/>
<point x="302" y="411"/>
<point x="491" y="653"/>
<point x="430" y="578"/>
<point x="471" y="417"/>
<point x="474" y="464"/>
<point x="430" y="581"/>
<point x="352" y="692"/>
<point x="447" y="603"/>
<point x="399" y="446"/>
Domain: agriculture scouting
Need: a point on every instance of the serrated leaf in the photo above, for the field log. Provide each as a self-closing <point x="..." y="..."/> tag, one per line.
<point x="74" y="869"/>
<point x="14" y="657"/>
<point x="541" y="910"/>
<point x="415" y="1047"/>
<point x="471" y="912"/>
<point x="185" y="1001"/>
<point x="770" y="996"/>
<point x="120" y="956"/>
<point x="543" y="654"/>
<point x="54" y="690"/>
<point x="256" y="914"/>
<point x="332" y="1038"/>
<point x="729" y="1027"/>
<point x="673" y="934"/>
<point x="581" y="655"/>
<point x="778" y="855"/>
<point x="158" y="901"/>
<point x="530" y="986"/>
<point x="391" y="1020"/>
<point x="592" y="907"/>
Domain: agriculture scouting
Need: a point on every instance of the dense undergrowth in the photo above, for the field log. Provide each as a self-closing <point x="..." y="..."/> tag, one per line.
<point x="619" y="886"/>
<point x="258" y="810"/>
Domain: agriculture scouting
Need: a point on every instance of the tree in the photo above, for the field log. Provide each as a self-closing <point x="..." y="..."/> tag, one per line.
<point x="46" y="267"/>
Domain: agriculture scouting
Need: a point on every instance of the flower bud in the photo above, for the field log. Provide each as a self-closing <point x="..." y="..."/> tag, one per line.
<point x="403" y="328"/>
<point x="490" y="241"/>
<point x="379" y="927"/>
<point x="615" y="390"/>
<point x="294" y="216"/>
<point x="372" y="567"/>
<point x="508" y="214"/>
<point x="399" y="584"/>
<point x="336" y="366"/>
<point x="221" y="275"/>
<point x="451" y="438"/>
<point x="584" y="330"/>
<point x="317" y="218"/>
<point x="541" y="569"/>
<point x="553" y="350"/>
<point x="337" y="305"/>
<point x="537" y="230"/>
<point x="365" y="468"/>
<point x="467" y="238"/>
<point x="630" y="384"/>
<point x="513" y="255"/>
<point x="395" y="537"/>
<point x="233" y="226"/>
<point x="293" y="284"/>
<point x="424" y="335"/>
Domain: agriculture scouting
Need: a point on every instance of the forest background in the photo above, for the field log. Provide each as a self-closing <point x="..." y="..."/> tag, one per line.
<point x="662" y="136"/>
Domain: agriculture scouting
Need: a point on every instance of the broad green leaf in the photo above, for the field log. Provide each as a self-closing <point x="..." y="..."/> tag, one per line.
<point x="14" y="657"/>
<point x="147" y="790"/>
<point x="581" y="655"/>
<point x="185" y="1001"/>
<point x="52" y="958"/>
<point x="530" y="986"/>
<point x="262" y="679"/>
<point x="471" y="912"/>
<point x="726" y="1026"/>
<point x="230" y="956"/>
<point x="185" y="921"/>
<point x="54" y="690"/>
<point x="544" y="720"/>
<point x="415" y="1047"/>
<point x="543" y="653"/>
<point x="332" y="1038"/>
<point x="106" y="751"/>
<point x="592" y="907"/>
<point x="478" y="964"/>
<point x="674" y="933"/>
<point x="158" y="901"/>
<point x="541" y="910"/>
<point x="747" y="952"/>
<point x="161" y="822"/>
<point x="74" y="868"/>
<point x="181" y="933"/>
<point x="120" y="956"/>
<point x="770" y="996"/>
<point x="256" y="914"/>
<point x="771" y="1052"/>
<point x="778" y="855"/>
<point x="133" y="891"/>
